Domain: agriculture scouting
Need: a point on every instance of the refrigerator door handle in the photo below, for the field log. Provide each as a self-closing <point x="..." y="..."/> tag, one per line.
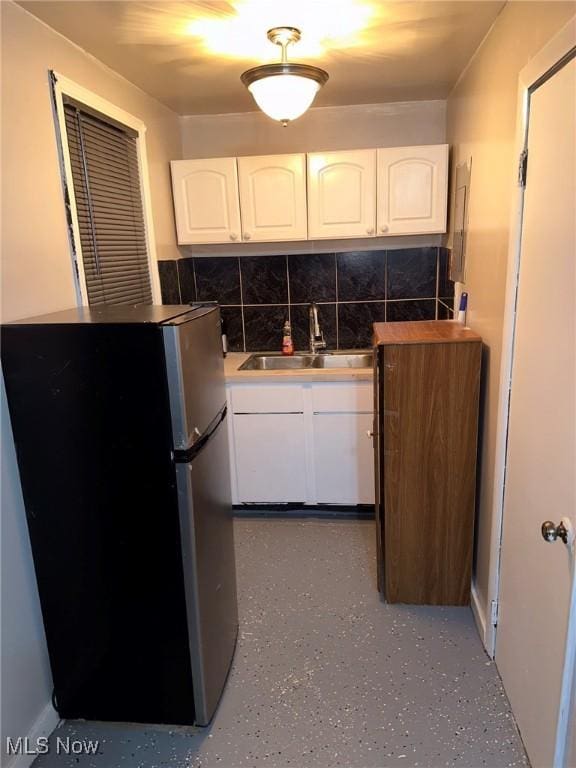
<point x="185" y="457"/>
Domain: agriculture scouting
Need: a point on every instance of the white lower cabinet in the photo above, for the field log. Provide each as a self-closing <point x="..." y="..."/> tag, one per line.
<point x="343" y="458"/>
<point x="270" y="457"/>
<point x="305" y="443"/>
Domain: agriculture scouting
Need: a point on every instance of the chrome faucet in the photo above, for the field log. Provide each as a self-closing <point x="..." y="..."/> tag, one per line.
<point x="316" y="336"/>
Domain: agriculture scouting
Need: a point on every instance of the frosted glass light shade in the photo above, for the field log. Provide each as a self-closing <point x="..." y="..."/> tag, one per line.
<point x="284" y="91"/>
<point x="284" y="97"/>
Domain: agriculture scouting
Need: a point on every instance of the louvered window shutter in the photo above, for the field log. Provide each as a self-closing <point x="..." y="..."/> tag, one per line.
<point x="106" y="179"/>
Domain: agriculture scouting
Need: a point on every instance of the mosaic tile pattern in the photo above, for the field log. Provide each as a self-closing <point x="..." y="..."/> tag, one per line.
<point x="353" y="290"/>
<point x="327" y="675"/>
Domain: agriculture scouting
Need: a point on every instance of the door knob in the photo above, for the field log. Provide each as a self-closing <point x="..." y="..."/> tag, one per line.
<point x="369" y="433"/>
<point x="564" y="531"/>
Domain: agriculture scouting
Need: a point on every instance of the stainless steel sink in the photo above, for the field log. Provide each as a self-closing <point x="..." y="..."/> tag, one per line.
<point x="276" y="362"/>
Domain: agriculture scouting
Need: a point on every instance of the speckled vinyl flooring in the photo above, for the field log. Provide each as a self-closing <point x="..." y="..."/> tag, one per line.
<point x="327" y="675"/>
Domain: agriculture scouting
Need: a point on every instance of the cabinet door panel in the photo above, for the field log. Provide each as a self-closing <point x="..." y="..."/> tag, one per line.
<point x="206" y="200"/>
<point x="412" y="190"/>
<point x="343" y="458"/>
<point x="270" y="457"/>
<point x="356" y="397"/>
<point x="273" y="197"/>
<point x="342" y="194"/>
<point x="266" y="398"/>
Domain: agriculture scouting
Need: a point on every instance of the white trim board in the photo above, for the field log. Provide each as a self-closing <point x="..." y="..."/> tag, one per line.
<point x="62" y="86"/>
<point x="555" y="50"/>
<point x="478" y="612"/>
<point x="46" y="722"/>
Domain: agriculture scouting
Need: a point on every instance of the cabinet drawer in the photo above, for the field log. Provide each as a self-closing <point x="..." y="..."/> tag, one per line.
<point x="343" y="398"/>
<point x="276" y="398"/>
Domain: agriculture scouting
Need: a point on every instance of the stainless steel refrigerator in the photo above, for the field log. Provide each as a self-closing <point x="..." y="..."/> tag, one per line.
<point x="119" y="421"/>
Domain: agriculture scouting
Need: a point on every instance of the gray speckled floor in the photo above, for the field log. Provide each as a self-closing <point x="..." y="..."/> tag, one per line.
<point x="326" y="675"/>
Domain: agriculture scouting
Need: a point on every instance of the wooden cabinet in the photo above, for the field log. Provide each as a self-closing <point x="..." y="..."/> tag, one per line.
<point x="412" y="190"/>
<point x="342" y="194"/>
<point x="206" y="203"/>
<point x="273" y="197"/>
<point x="426" y="422"/>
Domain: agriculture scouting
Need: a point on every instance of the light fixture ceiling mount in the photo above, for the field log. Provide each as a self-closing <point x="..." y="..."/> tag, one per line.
<point x="284" y="91"/>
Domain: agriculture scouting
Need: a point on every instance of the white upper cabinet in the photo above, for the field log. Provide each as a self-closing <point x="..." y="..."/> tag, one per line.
<point x="412" y="190"/>
<point x="342" y="194"/>
<point x="357" y="193"/>
<point x="206" y="200"/>
<point x="273" y="197"/>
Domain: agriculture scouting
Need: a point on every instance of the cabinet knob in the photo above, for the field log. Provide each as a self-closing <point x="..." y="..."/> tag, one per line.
<point x="233" y="236"/>
<point x="369" y="433"/>
<point x="384" y="228"/>
<point x="247" y="235"/>
<point x="370" y="231"/>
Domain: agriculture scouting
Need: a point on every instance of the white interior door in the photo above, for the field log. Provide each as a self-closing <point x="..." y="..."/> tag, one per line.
<point x="541" y="457"/>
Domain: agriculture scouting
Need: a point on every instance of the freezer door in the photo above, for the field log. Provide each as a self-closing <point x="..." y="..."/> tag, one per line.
<point x="205" y="509"/>
<point x="195" y="370"/>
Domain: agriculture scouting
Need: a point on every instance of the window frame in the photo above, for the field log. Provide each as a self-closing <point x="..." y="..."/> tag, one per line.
<point x="61" y="87"/>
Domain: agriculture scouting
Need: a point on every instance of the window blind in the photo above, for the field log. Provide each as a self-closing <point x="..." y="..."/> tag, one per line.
<point x="106" y="180"/>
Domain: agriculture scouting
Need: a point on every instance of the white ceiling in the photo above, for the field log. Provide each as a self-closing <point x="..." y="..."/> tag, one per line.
<point x="190" y="55"/>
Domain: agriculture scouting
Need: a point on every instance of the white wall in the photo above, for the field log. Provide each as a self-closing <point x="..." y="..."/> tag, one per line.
<point x="481" y="126"/>
<point x="320" y="129"/>
<point x="36" y="277"/>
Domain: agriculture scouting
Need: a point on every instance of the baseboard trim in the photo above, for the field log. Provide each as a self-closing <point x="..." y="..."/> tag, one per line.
<point x="299" y="511"/>
<point x="46" y="722"/>
<point x="479" y="614"/>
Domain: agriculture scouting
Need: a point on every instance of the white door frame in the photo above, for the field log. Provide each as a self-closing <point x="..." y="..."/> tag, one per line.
<point x="62" y="86"/>
<point x="546" y="60"/>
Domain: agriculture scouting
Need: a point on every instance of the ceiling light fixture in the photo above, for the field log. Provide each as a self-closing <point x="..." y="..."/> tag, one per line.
<point x="284" y="91"/>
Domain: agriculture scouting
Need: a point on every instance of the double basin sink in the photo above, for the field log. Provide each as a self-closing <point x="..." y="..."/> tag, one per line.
<point x="277" y="362"/>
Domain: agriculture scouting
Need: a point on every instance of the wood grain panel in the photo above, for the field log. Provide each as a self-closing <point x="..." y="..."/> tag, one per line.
<point x="422" y="332"/>
<point x="429" y="443"/>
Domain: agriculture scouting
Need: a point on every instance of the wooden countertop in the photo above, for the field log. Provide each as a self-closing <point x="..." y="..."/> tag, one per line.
<point x="422" y="332"/>
<point x="234" y="360"/>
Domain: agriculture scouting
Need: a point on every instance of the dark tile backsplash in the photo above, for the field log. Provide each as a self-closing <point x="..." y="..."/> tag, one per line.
<point x="217" y="280"/>
<point x="361" y="275"/>
<point x="186" y="280"/>
<point x="355" y="322"/>
<point x="353" y="290"/>
<point x="402" y="311"/>
<point x="263" y="326"/>
<point x="264" y="280"/>
<point x="312" y="277"/>
<point x="411" y="273"/>
<point x="169" y="284"/>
